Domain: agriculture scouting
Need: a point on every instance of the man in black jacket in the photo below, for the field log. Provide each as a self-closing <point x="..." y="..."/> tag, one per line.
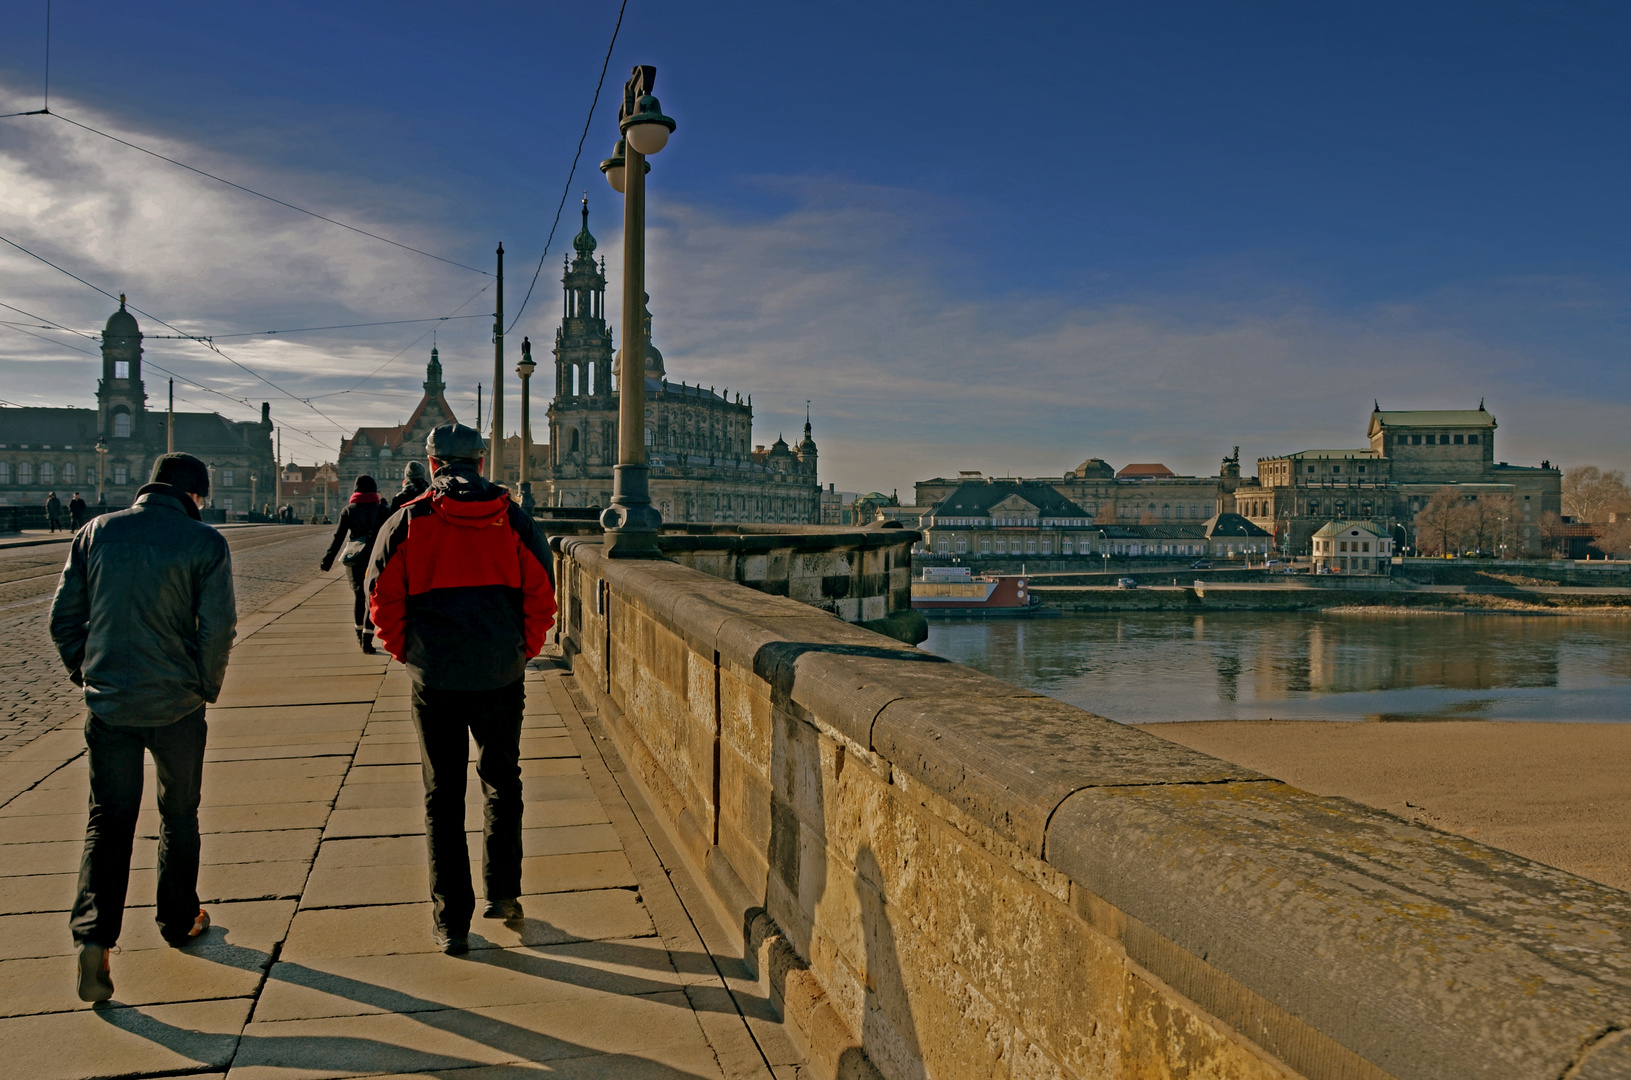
<point x="143" y="619"/>
<point x="414" y="484"/>
<point x="76" y="512"/>
<point x="353" y="538"/>
<point x="53" y="511"/>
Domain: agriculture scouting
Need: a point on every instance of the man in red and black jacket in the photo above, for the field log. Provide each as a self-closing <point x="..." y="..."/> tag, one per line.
<point x="459" y="591"/>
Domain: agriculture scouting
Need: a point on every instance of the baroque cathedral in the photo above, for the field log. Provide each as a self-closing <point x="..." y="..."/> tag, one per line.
<point x="704" y="467"/>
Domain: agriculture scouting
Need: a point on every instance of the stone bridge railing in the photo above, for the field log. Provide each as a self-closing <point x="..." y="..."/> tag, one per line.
<point x="940" y="874"/>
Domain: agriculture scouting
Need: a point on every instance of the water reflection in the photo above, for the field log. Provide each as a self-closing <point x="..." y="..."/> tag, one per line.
<point x="1149" y="666"/>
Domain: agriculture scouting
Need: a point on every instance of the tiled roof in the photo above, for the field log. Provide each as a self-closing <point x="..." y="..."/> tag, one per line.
<point x="1232" y="525"/>
<point x="978" y="497"/>
<point x="1434" y="418"/>
<point x="1145" y="470"/>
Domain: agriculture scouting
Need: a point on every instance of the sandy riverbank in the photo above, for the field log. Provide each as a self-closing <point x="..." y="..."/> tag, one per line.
<point x="1555" y="793"/>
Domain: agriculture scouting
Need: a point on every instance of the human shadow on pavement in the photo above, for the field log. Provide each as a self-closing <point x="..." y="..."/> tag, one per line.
<point x="342" y="1054"/>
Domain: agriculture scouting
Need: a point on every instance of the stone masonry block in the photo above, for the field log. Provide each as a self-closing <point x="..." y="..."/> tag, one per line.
<point x="1424" y="953"/>
<point x="1009" y="761"/>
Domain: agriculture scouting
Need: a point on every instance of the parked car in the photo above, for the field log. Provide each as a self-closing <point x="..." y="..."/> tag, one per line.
<point x="1126" y="583"/>
<point x="1201" y="564"/>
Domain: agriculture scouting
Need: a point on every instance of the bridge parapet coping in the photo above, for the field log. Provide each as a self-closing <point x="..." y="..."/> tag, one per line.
<point x="979" y="881"/>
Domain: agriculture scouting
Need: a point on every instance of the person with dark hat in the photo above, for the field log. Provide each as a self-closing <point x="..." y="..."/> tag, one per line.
<point x="415" y="483"/>
<point x="53" y="511"/>
<point x="353" y="538"/>
<point x="143" y="619"/>
<point x="460" y="593"/>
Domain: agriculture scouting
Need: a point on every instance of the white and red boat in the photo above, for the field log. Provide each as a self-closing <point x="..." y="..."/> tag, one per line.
<point x="955" y="590"/>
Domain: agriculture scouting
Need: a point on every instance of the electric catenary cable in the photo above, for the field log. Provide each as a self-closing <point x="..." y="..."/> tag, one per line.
<point x="573" y="171"/>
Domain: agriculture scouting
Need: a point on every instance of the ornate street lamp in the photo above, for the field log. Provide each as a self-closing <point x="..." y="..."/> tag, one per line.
<point x="631" y="522"/>
<point x="525" y="369"/>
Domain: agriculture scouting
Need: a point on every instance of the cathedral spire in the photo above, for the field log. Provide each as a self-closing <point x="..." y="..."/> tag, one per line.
<point x="433" y="375"/>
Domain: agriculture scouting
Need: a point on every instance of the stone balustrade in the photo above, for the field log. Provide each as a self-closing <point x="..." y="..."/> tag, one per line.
<point x="940" y="874"/>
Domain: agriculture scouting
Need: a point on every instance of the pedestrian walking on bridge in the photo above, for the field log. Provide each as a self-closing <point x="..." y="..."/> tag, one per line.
<point x="53" y="511"/>
<point x="143" y="619"/>
<point x="415" y="482"/>
<point x="353" y="539"/>
<point x="460" y="593"/>
<point x="76" y="512"/>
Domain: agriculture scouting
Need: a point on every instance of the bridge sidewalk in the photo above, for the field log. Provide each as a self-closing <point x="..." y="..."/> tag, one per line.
<point x="320" y="962"/>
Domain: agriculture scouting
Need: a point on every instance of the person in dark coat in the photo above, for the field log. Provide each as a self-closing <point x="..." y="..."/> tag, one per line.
<point x="415" y="482"/>
<point x="143" y="619"/>
<point x="459" y="588"/>
<point x="76" y="512"/>
<point x="53" y="511"/>
<point x="353" y="538"/>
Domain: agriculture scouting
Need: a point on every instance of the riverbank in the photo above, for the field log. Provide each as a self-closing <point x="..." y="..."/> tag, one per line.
<point x="1338" y="596"/>
<point x="1552" y="792"/>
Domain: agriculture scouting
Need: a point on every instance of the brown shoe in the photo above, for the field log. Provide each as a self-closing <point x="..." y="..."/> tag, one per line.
<point x="201" y="923"/>
<point x="95" y="974"/>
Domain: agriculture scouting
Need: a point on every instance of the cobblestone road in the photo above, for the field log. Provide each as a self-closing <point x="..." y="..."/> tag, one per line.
<point x="266" y="563"/>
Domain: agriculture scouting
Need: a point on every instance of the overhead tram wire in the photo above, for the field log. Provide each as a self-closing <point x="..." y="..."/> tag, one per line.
<point x="397" y="355"/>
<point x="252" y="191"/>
<point x="573" y="171"/>
<point x="352" y="326"/>
<point x="208" y="345"/>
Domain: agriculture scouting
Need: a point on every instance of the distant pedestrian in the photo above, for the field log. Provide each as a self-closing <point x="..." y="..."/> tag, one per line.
<point x="76" y="511"/>
<point x="53" y="511"/>
<point x="353" y="539"/>
<point x="460" y="593"/>
<point x="143" y="619"/>
<point x="415" y="482"/>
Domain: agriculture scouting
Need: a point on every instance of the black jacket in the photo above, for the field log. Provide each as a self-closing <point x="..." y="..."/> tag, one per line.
<point x="411" y="490"/>
<point x="358" y="521"/>
<point x="144" y="614"/>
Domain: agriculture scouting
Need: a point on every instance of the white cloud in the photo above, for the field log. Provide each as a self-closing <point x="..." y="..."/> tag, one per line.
<point x="850" y="299"/>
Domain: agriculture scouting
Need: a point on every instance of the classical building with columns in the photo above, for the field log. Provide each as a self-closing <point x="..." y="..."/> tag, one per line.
<point x="44" y="450"/>
<point x="699" y="442"/>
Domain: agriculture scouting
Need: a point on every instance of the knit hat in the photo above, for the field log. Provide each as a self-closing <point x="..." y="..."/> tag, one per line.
<point x="414" y="470"/>
<point x="183" y="471"/>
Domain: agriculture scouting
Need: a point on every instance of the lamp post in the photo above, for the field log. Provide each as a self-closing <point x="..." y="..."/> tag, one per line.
<point x="631" y="522"/>
<point x="525" y="369"/>
<point x="101" y="467"/>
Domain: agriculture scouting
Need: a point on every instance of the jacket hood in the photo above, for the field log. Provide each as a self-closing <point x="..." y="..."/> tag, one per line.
<point x="464" y="498"/>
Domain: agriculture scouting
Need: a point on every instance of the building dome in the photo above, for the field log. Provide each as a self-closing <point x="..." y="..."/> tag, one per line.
<point x="584" y="242"/>
<point x="122" y="323"/>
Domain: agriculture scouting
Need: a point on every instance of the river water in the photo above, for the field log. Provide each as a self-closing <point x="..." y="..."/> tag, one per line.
<point x="1153" y="666"/>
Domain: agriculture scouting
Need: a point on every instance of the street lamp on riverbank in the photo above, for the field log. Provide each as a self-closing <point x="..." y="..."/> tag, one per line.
<point x="525" y="369"/>
<point x="631" y="522"/>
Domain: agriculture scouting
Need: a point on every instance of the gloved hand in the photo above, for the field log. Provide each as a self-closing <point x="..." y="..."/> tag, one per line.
<point x="326" y="565"/>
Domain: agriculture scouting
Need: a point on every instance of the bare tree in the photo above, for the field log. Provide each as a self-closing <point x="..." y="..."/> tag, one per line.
<point x="1441" y="524"/>
<point x="1615" y="541"/>
<point x="1553" y="535"/>
<point x="1591" y="494"/>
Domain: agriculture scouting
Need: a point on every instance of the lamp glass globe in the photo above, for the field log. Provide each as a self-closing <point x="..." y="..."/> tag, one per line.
<point x="647" y="138"/>
<point x="614" y="177"/>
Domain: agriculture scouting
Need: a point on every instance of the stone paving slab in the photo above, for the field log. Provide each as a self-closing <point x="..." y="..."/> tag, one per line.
<point x="320" y="962"/>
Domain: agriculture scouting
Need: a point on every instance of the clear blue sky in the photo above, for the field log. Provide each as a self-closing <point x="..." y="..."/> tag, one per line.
<point x="978" y="236"/>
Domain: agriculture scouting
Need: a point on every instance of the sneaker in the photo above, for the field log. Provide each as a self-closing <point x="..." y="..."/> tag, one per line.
<point x="95" y="974"/>
<point x="503" y="909"/>
<point x="201" y="923"/>
<point x="452" y="944"/>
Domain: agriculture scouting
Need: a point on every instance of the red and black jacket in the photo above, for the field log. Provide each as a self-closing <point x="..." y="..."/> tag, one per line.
<point x="459" y="586"/>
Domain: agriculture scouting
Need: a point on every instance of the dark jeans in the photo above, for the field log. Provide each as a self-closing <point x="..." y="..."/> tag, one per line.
<point x="359" y="609"/>
<point x="493" y="718"/>
<point x="116" y="797"/>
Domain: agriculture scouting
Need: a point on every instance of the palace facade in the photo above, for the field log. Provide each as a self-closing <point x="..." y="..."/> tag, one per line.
<point x="44" y="450"/>
<point x="704" y="466"/>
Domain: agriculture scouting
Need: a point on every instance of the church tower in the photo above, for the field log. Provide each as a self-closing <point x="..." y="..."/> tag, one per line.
<point x="583" y="413"/>
<point x="121" y="398"/>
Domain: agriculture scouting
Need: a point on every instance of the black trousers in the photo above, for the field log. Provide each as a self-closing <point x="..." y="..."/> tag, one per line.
<point x="116" y="797"/>
<point x="359" y="593"/>
<point x="493" y="718"/>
